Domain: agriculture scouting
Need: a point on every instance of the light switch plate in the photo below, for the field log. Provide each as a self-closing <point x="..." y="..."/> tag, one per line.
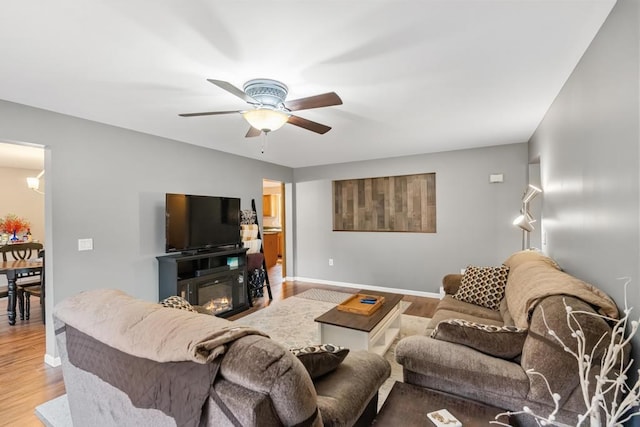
<point x="85" y="244"/>
<point x="495" y="178"/>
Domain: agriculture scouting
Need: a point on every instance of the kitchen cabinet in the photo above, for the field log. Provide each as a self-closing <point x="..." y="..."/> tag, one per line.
<point x="270" y="248"/>
<point x="269" y="205"/>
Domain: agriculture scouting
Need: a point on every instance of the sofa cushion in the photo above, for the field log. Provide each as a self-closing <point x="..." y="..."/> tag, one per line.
<point x="448" y="303"/>
<point x="462" y="370"/>
<point x="178" y="302"/>
<point x="483" y="286"/>
<point x="320" y="359"/>
<point x="501" y="341"/>
<point x="451" y="308"/>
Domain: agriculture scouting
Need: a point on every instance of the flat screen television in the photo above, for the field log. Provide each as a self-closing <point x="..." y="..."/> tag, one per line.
<point x="195" y="223"/>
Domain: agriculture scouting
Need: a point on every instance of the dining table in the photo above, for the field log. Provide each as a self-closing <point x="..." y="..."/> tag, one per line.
<point x="13" y="270"/>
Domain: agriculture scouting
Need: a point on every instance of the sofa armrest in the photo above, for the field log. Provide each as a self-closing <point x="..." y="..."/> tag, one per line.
<point x="343" y="395"/>
<point x="260" y="364"/>
<point x="451" y="283"/>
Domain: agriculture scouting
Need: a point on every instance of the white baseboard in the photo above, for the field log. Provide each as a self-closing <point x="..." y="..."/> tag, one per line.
<point x="371" y="287"/>
<point x="52" y="361"/>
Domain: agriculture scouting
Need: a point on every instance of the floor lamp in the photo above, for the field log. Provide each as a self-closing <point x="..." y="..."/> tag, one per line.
<point x="525" y="220"/>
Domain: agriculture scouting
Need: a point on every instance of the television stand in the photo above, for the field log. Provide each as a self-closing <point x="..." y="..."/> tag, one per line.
<point x="215" y="280"/>
<point x="226" y="247"/>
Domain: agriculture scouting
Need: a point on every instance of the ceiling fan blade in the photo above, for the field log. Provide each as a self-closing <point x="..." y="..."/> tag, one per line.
<point x="233" y="90"/>
<point x="308" y="124"/>
<point x="253" y="132"/>
<point x="317" y="101"/>
<point x="208" y="113"/>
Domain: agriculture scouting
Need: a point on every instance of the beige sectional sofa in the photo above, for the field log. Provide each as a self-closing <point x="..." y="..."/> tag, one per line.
<point x="128" y="362"/>
<point x="486" y="354"/>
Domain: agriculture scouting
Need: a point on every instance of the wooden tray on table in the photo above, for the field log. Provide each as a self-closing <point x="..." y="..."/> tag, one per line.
<point x="353" y="304"/>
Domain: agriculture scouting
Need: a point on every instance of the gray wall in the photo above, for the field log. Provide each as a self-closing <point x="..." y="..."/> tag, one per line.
<point x="108" y="184"/>
<point x="588" y="146"/>
<point x="473" y="220"/>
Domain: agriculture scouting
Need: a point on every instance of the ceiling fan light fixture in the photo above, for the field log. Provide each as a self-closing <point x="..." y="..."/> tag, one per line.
<point x="266" y="119"/>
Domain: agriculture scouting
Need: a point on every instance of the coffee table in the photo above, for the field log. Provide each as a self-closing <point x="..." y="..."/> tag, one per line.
<point x="374" y="333"/>
<point x="408" y="405"/>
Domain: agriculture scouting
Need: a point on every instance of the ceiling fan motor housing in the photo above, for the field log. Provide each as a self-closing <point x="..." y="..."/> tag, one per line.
<point x="270" y="93"/>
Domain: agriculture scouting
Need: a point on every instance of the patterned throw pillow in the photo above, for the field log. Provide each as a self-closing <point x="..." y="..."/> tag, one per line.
<point x="483" y="286"/>
<point x="178" y="302"/>
<point x="320" y="359"/>
<point x="500" y="341"/>
<point x="247" y="216"/>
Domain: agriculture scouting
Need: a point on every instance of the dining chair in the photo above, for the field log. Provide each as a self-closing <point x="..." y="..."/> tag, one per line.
<point x="35" y="290"/>
<point x="23" y="251"/>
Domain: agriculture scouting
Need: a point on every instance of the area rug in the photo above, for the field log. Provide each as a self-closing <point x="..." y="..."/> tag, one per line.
<point x="55" y="413"/>
<point x="291" y="323"/>
<point x="325" y="295"/>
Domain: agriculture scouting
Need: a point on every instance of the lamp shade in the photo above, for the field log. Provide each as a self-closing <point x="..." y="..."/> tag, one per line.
<point x="33" y="183"/>
<point x="522" y="222"/>
<point x="266" y="119"/>
<point x="532" y="191"/>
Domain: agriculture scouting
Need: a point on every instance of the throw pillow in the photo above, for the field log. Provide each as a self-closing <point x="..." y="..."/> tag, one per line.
<point x="179" y="303"/>
<point x="247" y="216"/>
<point x="483" y="286"/>
<point x="505" y="342"/>
<point x="320" y="359"/>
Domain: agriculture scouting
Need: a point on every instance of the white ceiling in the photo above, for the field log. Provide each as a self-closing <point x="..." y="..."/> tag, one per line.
<point x="416" y="76"/>
<point x="21" y="156"/>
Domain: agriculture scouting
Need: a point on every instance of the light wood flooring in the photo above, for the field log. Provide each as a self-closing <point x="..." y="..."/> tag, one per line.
<point x="26" y="381"/>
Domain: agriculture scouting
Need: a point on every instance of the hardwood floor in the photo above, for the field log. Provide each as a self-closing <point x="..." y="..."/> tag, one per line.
<point x="26" y="381"/>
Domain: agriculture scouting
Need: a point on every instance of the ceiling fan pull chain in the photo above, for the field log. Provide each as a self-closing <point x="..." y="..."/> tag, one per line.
<point x="264" y="141"/>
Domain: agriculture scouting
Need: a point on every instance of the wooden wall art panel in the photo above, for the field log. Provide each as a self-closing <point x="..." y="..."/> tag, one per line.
<point x="396" y="203"/>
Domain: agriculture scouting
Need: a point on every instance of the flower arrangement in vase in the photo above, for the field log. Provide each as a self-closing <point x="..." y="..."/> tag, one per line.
<point x="13" y="224"/>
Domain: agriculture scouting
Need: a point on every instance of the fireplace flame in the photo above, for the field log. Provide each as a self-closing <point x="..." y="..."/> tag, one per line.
<point x="218" y="305"/>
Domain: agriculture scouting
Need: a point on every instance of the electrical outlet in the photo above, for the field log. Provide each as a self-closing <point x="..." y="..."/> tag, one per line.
<point x="331" y="262"/>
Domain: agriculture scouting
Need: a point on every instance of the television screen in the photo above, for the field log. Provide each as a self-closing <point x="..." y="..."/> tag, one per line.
<point x="201" y="222"/>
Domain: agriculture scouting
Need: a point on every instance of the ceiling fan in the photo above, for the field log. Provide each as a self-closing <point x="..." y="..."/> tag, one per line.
<point x="270" y="112"/>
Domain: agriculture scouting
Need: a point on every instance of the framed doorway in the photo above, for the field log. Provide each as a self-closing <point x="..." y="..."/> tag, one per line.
<point x="274" y="229"/>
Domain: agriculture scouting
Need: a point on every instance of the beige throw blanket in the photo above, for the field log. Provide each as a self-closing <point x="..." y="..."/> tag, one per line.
<point x="149" y="330"/>
<point x="529" y="282"/>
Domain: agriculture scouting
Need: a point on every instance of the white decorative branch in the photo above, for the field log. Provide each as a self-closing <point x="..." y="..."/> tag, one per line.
<point x="612" y="398"/>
